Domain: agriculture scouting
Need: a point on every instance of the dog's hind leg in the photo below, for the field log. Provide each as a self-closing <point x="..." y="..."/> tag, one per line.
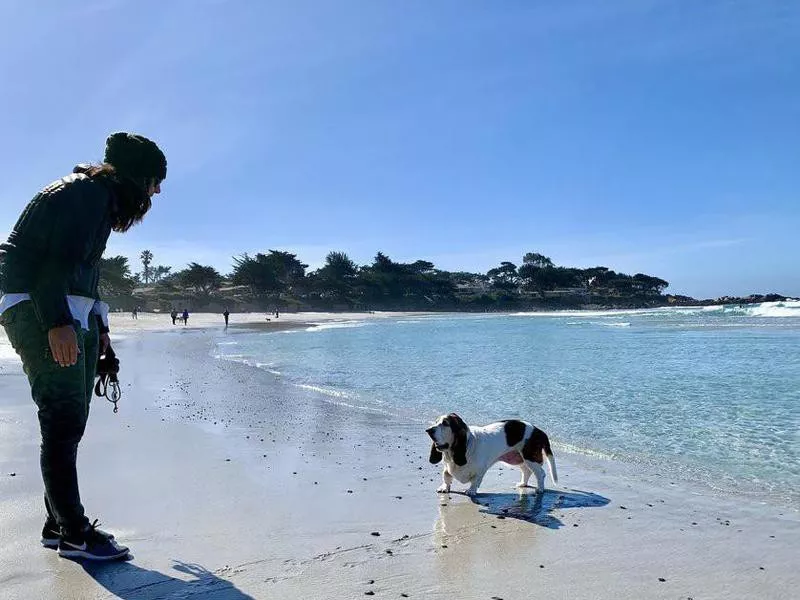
<point x="475" y="484"/>
<point x="538" y="470"/>
<point x="526" y="475"/>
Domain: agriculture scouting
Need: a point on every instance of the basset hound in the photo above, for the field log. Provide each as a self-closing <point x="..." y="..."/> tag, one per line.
<point x="469" y="452"/>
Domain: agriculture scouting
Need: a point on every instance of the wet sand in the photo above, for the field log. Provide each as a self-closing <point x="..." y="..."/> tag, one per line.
<point x="227" y="483"/>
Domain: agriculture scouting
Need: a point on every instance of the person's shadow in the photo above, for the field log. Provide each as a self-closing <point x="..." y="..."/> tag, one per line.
<point x="537" y="508"/>
<point x="130" y="582"/>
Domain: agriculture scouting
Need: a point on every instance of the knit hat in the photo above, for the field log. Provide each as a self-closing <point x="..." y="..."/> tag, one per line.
<point x="135" y="156"/>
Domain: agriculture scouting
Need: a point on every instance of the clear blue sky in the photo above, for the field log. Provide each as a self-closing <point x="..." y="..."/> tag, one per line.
<point x="644" y="135"/>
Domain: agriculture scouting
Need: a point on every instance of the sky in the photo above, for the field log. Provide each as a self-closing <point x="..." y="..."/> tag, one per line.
<point x="653" y="136"/>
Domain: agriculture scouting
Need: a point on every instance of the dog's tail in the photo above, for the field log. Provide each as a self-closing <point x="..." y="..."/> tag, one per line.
<point x="547" y="454"/>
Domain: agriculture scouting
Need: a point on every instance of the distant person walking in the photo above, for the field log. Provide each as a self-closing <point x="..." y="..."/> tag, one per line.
<point x="173" y="315"/>
<point x="185" y="317"/>
<point x="57" y="324"/>
<point x="226" y="314"/>
<point x="135" y="313"/>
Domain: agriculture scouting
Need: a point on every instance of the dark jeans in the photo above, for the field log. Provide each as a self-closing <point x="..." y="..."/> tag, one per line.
<point x="63" y="395"/>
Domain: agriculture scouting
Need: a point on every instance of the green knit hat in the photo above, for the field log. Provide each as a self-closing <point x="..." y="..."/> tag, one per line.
<point x="135" y="156"/>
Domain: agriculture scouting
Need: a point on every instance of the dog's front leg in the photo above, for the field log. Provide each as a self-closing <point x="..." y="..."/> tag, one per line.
<point x="447" y="479"/>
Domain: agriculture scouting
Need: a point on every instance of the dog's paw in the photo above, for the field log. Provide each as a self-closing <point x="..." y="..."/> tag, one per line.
<point x="443" y="489"/>
<point x="521" y="485"/>
<point x="471" y="493"/>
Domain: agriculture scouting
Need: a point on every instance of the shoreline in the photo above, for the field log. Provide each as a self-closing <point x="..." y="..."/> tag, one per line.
<point x="314" y="480"/>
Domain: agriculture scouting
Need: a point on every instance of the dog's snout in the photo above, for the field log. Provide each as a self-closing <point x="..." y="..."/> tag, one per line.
<point x="430" y="430"/>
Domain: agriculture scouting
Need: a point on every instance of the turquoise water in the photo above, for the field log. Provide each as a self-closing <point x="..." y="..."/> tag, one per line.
<point x="707" y="394"/>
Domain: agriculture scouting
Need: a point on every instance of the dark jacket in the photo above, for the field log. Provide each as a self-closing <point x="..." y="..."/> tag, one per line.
<point x="56" y="245"/>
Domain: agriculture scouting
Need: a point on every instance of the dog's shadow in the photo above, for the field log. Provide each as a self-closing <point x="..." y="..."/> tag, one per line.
<point x="126" y="580"/>
<point x="528" y="505"/>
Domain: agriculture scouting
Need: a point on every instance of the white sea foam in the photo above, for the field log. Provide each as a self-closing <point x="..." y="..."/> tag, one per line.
<point x="325" y="391"/>
<point x="588" y="313"/>
<point x="790" y="308"/>
<point x="336" y="325"/>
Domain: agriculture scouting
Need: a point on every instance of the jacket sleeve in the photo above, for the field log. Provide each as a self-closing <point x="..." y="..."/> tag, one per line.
<point x="75" y="213"/>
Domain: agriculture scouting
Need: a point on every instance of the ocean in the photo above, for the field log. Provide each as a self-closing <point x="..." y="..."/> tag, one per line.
<point x="710" y="395"/>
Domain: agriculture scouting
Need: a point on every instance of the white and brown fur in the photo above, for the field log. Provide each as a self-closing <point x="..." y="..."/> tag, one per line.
<point x="469" y="452"/>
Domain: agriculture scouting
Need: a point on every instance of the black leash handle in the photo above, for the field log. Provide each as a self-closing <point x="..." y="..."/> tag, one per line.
<point x="107" y="369"/>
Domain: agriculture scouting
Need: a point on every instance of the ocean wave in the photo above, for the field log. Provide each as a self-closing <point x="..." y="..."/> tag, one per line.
<point x="588" y="313"/>
<point x="336" y="325"/>
<point x="338" y="397"/>
<point x="580" y="450"/>
<point x="788" y="308"/>
<point x="324" y="391"/>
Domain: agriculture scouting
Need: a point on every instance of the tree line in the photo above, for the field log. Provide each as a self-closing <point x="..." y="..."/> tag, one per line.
<point x="278" y="279"/>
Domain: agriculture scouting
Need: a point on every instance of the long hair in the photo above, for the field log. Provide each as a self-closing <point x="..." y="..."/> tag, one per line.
<point x="131" y="201"/>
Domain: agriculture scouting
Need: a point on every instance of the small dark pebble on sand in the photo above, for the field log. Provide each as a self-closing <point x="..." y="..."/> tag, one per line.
<point x="370" y="582"/>
<point x="541" y="566"/>
<point x="12" y="474"/>
<point x="661" y="579"/>
<point x="404" y="595"/>
<point x="369" y="593"/>
<point x="500" y="517"/>
<point x="623" y="507"/>
<point x="375" y="533"/>
<point x="760" y="568"/>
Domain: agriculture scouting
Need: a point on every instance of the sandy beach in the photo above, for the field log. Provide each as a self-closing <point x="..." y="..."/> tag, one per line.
<point x="321" y="501"/>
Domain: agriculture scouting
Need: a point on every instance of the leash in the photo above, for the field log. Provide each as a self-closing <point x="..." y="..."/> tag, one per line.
<point x="107" y="370"/>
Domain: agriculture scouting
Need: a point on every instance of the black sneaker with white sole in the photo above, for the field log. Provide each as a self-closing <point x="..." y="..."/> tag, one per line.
<point x="51" y="534"/>
<point x="92" y="544"/>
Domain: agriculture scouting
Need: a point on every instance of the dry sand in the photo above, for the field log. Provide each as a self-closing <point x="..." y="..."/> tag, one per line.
<point x="217" y="501"/>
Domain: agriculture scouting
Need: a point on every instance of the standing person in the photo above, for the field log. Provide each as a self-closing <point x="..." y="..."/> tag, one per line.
<point x="226" y="314"/>
<point x="173" y="315"/>
<point x="55" y="321"/>
<point x="135" y="313"/>
<point x="185" y="317"/>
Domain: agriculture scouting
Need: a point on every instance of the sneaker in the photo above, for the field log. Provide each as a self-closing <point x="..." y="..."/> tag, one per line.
<point x="92" y="544"/>
<point x="51" y="533"/>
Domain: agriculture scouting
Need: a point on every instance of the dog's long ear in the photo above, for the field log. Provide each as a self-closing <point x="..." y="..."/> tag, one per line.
<point x="436" y="456"/>
<point x="460" y="431"/>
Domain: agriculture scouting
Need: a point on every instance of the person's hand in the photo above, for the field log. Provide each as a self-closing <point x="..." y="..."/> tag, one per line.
<point x="63" y="345"/>
<point x="105" y="342"/>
